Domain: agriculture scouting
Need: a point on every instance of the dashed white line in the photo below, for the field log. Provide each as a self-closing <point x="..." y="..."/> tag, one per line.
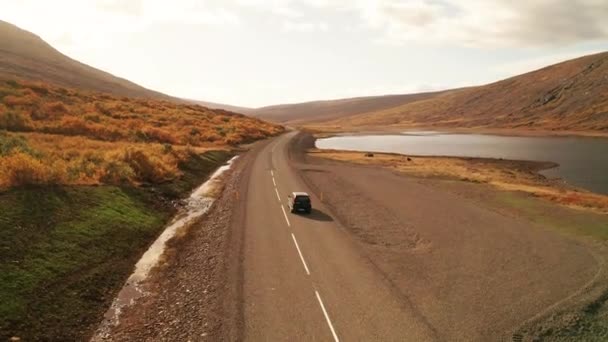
<point x="278" y="197"/>
<point x="272" y="173"/>
<point x="273" y="182"/>
<point x="286" y="218"/>
<point x="300" y="252"/>
<point x="331" y="327"/>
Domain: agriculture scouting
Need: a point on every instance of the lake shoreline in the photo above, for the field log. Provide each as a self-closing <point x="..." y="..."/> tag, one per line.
<point x="504" y="174"/>
<point x="325" y="132"/>
<point x="579" y="158"/>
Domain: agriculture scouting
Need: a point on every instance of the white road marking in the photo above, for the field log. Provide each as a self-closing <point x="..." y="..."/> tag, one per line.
<point x="277" y="191"/>
<point x="272" y="173"/>
<point x="286" y="218"/>
<point x="273" y="182"/>
<point x="331" y="327"/>
<point x="300" y="252"/>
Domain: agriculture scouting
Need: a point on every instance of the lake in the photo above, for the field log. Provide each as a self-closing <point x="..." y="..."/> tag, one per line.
<point x="582" y="161"/>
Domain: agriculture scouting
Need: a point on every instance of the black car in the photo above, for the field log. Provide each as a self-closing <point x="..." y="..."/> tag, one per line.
<point x="300" y="202"/>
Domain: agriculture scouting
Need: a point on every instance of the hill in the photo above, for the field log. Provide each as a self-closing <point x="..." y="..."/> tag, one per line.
<point x="230" y="108"/>
<point x="24" y="55"/>
<point x="569" y="96"/>
<point x="57" y="135"/>
<point x="320" y="111"/>
<point x="92" y="168"/>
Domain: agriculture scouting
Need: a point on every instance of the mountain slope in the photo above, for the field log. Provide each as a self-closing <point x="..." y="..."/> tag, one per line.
<point x="320" y="111"/>
<point x="213" y="105"/>
<point x="25" y="55"/>
<point x="571" y="95"/>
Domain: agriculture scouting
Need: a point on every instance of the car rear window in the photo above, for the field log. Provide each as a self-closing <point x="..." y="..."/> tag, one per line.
<point x="302" y="199"/>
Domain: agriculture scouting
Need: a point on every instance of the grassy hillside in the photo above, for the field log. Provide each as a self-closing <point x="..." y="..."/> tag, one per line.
<point x="321" y="111"/>
<point x="55" y="135"/>
<point x="87" y="181"/>
<point x="65" y="251"/>
<point x="91" y="166"/>
<point x="567" y="96"/>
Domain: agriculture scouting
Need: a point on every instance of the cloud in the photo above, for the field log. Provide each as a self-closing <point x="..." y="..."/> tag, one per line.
<point x="478" y="23"/>
<point x="530" y="64"/>
<point x="488" y="23"/>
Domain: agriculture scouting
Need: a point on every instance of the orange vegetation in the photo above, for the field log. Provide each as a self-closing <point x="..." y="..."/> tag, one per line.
<point x="53" y="135"/>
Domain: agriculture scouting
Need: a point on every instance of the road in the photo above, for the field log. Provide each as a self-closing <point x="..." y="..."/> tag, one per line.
<point x="409" y="260"/>
<point x="305" y="278"/>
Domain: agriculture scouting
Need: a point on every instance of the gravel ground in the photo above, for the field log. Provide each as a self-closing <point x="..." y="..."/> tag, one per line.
<point x="474" y="273"/>
<point x="196" y="294"/>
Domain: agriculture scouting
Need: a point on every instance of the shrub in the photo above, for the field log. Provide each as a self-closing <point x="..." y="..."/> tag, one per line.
<point x="10" y="144"/>
<point x="72" y="126"/>
<point x="116" y="172"/>
<point x="14" y="121"/>
<point x="52" y="111"/>
<point x="20" y="169"/>
<point x="93" y="118"/>
<point x="210" y="137"/>
<point x="55" y="108"/>
<point x="14" y="101"/>
<point x="37" y="87"/>
<point x="148" y="168"/>
<point x="160" y="135"/>
<point x="13" y="84"/>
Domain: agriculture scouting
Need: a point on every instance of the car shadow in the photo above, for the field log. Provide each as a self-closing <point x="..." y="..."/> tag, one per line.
<point x="318" y="215"/>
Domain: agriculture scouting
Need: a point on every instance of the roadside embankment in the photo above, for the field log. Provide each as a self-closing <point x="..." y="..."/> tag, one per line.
<point x="65" y="251"/>
<point x="195" y="294"/>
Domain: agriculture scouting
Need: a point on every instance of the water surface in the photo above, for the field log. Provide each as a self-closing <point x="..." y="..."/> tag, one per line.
<point x="582" y="161"/>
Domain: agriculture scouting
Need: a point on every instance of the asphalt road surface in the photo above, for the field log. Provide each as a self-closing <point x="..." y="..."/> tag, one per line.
<point x="407" y="262"/>
<point x="304" y="277"/>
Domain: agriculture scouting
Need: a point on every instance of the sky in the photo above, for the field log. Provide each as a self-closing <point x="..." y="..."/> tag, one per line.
<point x="255" y="53"/>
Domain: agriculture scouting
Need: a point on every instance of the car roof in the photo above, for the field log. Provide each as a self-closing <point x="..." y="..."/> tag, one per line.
<point x="295" y="194"/>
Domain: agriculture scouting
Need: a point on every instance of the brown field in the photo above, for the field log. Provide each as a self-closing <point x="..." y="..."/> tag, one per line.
<point x="55" y="135"/>
<point x="503" y="174"/>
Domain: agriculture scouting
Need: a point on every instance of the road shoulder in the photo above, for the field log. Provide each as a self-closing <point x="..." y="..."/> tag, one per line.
<point x="196" y="294"/>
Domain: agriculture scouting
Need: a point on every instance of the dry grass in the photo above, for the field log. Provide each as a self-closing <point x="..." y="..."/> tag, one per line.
<point x="54" y="135"/>
<point x="564" y="97"/>
<point x="503" y="174"/>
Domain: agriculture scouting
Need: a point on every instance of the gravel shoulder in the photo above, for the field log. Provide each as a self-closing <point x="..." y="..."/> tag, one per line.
<point x="475" y="272"/>
<point x="196" y="294"/>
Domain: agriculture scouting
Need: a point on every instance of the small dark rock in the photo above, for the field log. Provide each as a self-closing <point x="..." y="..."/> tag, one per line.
<point x="369" y="155"/>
